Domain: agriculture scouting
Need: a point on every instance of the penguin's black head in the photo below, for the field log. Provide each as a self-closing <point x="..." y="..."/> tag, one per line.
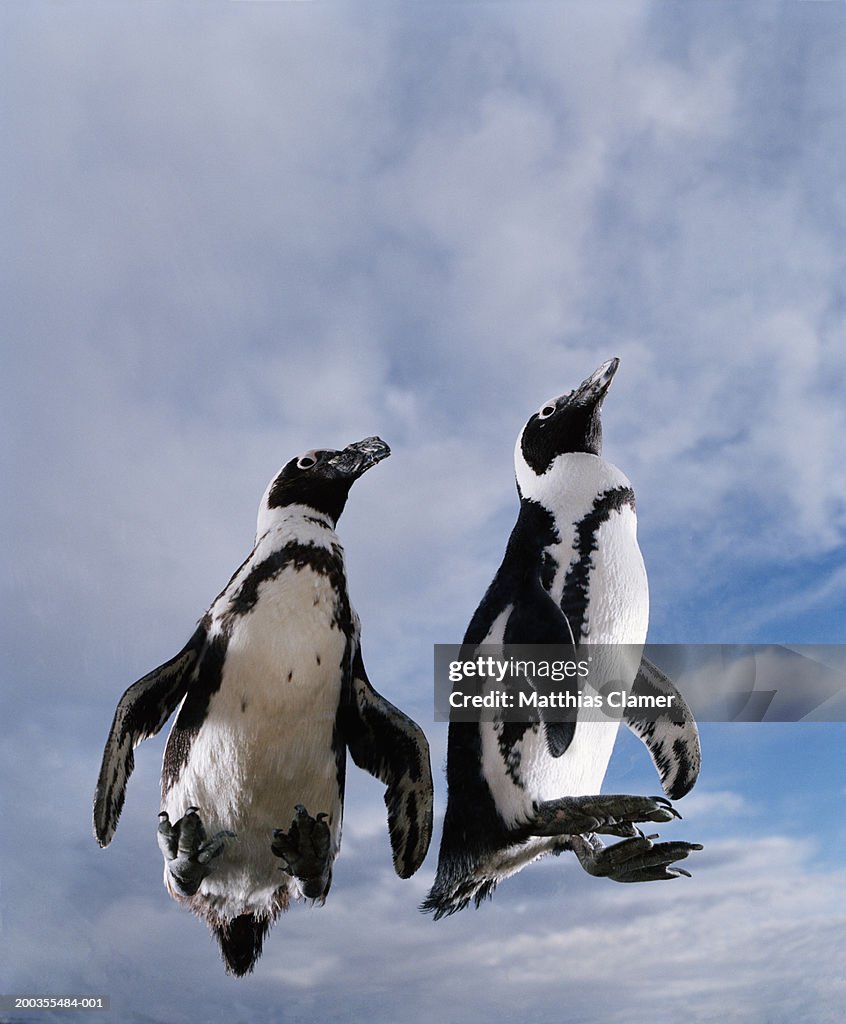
<point x="321" y="478"/>
<point x="570" y="423"/>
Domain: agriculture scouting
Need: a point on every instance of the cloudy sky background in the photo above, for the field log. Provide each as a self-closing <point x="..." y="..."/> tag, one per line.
<point x="236" y="231"/>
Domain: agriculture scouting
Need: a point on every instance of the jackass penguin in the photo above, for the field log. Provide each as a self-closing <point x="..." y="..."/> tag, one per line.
<point x="572" y="575"/>
<point x="273" y="693"/>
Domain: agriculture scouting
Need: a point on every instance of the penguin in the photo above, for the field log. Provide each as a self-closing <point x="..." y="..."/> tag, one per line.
<point x="272" y="693"/>
<point x="573" y="575"/>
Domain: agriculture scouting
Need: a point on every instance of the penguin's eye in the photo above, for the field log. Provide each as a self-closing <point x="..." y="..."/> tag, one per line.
<point x="306" y="462"/>
<point x="546" y="411"/>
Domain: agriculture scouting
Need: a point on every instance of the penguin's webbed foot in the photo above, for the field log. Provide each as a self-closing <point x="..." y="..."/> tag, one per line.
<point x="305" y="850"/>
<point x="606" y="815"/>
<point x="187" y="850"/>
<point x="633" y="860"/>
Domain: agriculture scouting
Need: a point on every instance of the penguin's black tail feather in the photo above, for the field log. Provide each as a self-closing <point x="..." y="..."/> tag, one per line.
<point x="241" y="942"/>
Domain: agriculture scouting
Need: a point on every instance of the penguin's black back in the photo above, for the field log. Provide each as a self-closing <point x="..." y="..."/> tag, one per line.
<point x="473" y="828"/>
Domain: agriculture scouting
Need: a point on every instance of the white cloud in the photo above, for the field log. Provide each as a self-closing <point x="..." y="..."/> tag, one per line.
<point x="703" y="803"/>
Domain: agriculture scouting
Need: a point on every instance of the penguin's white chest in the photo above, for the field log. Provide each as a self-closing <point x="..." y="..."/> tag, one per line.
<point x="283" y="657"/>
<point x="612" y="577"/>
<point x="268" y="740"/>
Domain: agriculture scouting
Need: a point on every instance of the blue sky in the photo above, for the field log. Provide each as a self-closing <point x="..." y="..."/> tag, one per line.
<point x="236" y="231"/>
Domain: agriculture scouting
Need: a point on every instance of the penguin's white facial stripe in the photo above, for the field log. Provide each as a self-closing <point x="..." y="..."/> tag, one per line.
<point x="569" y="423"/>
<point x="310" y="458"/>
<point x="308" y="479"/>
<point x="558" y="428"/>
<point x="548" y="409"/>
<point x="319" y="479"/>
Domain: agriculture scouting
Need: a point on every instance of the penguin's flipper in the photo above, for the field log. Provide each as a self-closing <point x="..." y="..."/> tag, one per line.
<point x="391" y="747"/>
<point x="141" y="712"/>
<point x="537" y="619"/>
<point x="673" y="739"/>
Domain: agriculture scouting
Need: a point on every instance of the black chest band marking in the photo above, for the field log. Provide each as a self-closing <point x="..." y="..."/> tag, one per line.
<point x="327" y="562"/>
<point x="574" y="598"/>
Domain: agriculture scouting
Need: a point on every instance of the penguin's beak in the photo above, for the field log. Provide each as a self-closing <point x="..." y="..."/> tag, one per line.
<point x="593" y="390"/>
<point x="357" y="458"/>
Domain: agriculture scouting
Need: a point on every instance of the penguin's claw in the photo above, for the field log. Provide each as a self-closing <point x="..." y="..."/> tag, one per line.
<point x="662" y="801"/>
<point x="605" y="815"/>
<point x="635" y="860"/>
<point x="305" y="850"/>
<point x="187" y="850"/>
